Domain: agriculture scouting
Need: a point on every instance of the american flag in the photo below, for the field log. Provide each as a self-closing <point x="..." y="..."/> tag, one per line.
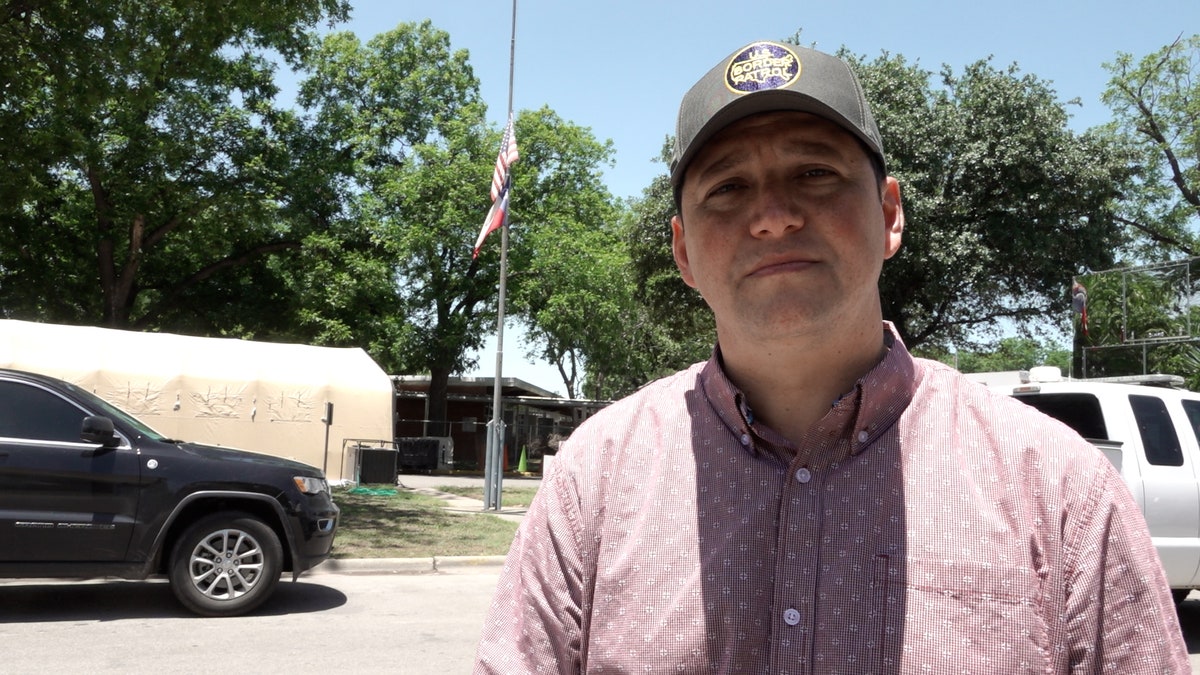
<point x="1079" y="303"/>
<point x="501" y="182"/>
<point x="508" y="155"/>
<point x="494" y="219"/>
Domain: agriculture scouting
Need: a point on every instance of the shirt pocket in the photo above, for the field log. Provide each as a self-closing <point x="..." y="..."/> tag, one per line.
<point x="967" y="617"/>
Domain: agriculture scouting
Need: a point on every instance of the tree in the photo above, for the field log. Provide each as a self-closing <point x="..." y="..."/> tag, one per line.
<point x="340" y="289"/>
<point x="573" y="299"/>
<point x="1156" y="106"/>
<point x="585" y="312"/>
<point x="566" y="280"/>
<point x="407" y="109"/>
<point x="1010" y="353"/>
<point x="1003" y="203"/>
<point x="1141" y="320"/>
<point x="143" y="163"/>
<point x="669" y="326"/>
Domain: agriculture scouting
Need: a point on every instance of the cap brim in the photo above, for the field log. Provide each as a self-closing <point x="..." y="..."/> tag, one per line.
<point x="773" y="100"/>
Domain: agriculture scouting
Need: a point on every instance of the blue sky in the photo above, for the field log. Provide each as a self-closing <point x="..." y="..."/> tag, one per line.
<point x="621" y="66"/>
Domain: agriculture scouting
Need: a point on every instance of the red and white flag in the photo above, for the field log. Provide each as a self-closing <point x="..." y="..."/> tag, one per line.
<point x="1079" y="303"/>
<point x="501" y="182"/>
<point x="494" y="220"/>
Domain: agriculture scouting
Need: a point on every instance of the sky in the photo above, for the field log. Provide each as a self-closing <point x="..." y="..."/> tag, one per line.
<point x="620" y="67"/>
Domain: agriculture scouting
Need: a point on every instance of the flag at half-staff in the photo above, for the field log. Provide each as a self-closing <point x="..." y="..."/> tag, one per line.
<point x="1079" y="303"/>
<point x="501" y="184"/>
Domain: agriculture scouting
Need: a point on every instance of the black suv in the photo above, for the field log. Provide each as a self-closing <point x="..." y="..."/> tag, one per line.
<point x="87" y="490"/>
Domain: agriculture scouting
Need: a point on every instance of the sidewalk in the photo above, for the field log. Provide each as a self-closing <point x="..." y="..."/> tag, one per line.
<point x="459" y="504"/>
<point x="435" y="564"/>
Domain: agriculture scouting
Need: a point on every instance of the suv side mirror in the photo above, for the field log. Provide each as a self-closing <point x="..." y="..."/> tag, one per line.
<point x="99" y="430"/>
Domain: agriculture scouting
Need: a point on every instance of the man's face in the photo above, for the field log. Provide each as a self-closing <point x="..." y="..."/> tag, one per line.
<point x="784" y="227"/>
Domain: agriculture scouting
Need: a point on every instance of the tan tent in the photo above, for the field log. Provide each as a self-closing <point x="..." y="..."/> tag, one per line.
<point x="259" y="396"/>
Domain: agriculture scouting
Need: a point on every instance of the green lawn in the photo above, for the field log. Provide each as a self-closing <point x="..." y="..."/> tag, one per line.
<point x="508" y="496"/>
<point x="381" y="521"/>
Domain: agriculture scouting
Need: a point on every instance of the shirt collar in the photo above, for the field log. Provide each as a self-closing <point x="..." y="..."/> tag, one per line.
<point x="873" y="405"/>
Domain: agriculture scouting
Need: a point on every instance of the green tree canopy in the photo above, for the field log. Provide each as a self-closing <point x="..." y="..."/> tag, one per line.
<point x="669" y="326"/>
<point x="1141" y="320"/>
<point x="1156" y="107"/>
<point x="406" y="109"/>
<point x="566" y="280"/>
<point x="574" y="298"/>
<point x="1003" y="203"/>
<point x="143" y="160"/>
<point x="1010" y="353"/>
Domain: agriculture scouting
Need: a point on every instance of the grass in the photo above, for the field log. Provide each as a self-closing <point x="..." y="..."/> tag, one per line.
<point x="508" y="496"/>
<point x="385" y="522"/>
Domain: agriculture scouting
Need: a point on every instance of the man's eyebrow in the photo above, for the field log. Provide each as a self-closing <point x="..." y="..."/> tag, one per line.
<point x="802" y="147"/>
<point x="809" y="147"/>
<point x="728" y="160"/>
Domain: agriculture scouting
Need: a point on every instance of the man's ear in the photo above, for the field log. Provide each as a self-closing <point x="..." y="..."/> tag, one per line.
<point x="679" y="250"/>
<point x="893" y="217"/>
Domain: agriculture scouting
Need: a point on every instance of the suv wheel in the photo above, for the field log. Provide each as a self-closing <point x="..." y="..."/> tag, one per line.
<point x="226" y="564"/>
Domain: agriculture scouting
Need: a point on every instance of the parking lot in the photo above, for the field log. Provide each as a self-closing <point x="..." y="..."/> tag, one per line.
<point x="382" y="622"/>
<point x="395" y="623"/>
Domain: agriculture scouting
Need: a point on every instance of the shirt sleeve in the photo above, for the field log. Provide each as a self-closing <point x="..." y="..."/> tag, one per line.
<point x="534" y="624"/>
<point x="1120" y="617"/>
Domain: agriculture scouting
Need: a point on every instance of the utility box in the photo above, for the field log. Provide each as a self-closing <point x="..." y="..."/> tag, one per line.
<point x="428" y="453"/>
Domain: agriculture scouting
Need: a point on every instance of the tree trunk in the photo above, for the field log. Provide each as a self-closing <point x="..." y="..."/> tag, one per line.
<point x="439" y="384"/>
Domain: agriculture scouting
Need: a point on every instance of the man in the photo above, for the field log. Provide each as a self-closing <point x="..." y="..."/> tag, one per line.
<point x="813" y="499"/>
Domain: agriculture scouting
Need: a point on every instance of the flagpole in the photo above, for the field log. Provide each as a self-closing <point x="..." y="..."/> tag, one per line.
<point x="494" y="459"/>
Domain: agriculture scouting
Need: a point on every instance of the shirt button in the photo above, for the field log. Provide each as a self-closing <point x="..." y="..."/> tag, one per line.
<point x="862" y="437"/>
<point x="746" y="439"/>
<point x="791" y="616"/>
<point x="803" y="475"/>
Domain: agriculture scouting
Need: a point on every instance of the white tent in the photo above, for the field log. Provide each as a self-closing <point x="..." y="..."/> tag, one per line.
<point x="259" y="396"/>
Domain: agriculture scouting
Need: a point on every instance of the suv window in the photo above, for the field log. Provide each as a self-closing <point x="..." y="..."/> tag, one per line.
<point x="1081" y="412"/>
<point x="1192" y="408"/>
<point x="30" y="412"/>
<point x="1158" y="433"/>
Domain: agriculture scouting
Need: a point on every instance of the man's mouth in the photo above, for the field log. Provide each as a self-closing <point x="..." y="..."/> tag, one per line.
<point x="781" y="265"/>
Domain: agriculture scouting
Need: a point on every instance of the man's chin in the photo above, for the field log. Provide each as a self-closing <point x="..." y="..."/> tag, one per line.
<point x="790" y="319"/>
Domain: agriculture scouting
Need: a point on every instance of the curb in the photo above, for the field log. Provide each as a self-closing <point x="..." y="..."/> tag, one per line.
<point x="432" y="565"/>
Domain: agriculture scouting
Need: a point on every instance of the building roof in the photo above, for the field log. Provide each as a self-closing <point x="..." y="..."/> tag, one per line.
<point x="482" y="389"/>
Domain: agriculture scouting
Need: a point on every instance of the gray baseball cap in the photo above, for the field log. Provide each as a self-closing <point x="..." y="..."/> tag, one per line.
<point x="767" y="77"/>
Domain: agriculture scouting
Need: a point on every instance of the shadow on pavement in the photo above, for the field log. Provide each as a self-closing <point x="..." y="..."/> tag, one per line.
<point x="113" y="600"/>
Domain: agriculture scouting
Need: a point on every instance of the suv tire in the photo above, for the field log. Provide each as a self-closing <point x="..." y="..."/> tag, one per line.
<point x="225" y="564"/>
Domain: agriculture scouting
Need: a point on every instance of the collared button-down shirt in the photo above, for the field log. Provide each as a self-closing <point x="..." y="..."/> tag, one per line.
<point x="924" y="525"/>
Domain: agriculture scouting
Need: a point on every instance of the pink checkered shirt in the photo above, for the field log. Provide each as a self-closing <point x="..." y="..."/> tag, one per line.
<point x="924" y="525"/>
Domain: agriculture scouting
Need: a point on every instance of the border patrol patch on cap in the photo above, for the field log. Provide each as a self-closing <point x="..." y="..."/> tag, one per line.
<point x="762" y="65"/>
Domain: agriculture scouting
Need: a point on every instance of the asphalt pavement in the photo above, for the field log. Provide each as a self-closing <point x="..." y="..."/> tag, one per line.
<point x="334" y="608"/>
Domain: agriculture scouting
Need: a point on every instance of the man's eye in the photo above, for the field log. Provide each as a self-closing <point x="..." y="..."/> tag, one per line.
<point x="723" y="188"/>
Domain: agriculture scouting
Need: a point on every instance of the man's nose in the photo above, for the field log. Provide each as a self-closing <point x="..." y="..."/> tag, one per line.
<point x="776" y="211"/>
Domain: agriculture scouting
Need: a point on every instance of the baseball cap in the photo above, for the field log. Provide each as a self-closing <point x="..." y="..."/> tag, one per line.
<point x="766" y="77"/>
